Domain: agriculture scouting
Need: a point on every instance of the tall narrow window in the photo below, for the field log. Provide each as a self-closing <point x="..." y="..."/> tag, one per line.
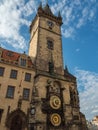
<point x="1" y="112"/>
<point x="13" y="74"/>
<point x="50" y="44"/>
<point x="1" y="71"/>
<point x="23" y="62"/>
<point x="71" y="97"/>
<point x="26" y="93"/>
<point x="51" y="67"/>
<point x="10" y="92"/>
<point x="27" y="77"/>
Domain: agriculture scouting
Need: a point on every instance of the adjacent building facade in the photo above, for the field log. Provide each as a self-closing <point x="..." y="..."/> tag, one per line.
<point x="95" y="120"/>
<point x="36" y="92"/>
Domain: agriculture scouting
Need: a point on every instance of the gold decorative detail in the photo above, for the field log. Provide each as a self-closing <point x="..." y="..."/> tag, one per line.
<point x="55" y="102"/>
<point x="55" y="119"/>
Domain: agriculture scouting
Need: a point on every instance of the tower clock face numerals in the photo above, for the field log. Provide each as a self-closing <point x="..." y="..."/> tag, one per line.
<point x="55" y="119"/>
<point x="55" y="102"/>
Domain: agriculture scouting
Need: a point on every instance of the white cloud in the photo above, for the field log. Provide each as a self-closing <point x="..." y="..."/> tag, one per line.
<point x="75" y="13"/>
<point x="29" y="8"/>
<point x="12" y="17"/>
<point x="16" y="14"/>
<point x="68" y="32"/>
<point x="88" y="89"/>
<point x="43" y="2"/>
<point x="80" y="23"/>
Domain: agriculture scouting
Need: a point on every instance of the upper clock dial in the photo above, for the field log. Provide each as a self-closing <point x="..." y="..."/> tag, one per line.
<point x="50" y="24"/>
<point x="55" y="102"/>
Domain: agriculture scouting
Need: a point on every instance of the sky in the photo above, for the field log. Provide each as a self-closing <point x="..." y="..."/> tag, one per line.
<point x="79" y="39"/>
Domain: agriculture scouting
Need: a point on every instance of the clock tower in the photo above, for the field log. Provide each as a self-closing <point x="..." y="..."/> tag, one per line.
<point x="46" y="42"/>
<point x="55" y="99"/>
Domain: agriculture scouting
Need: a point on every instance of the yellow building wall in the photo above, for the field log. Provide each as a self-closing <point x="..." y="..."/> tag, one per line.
<point x="19" y="84"/>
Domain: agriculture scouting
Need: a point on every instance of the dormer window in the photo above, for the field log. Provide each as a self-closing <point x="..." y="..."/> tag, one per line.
<point x="23" y="62"/>
<point x="9" y="53"/>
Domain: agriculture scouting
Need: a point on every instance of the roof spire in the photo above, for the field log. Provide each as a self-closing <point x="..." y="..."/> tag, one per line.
<point x="40" y="4"/>
<point x="47" y="9"/>
<point x="66" y="68"/>
<point x="59" y="14"/>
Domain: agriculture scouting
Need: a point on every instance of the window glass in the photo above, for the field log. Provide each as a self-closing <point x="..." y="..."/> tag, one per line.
<point x="13" y="74"/>
<point x="1" y="71"/>
<point x="23" y="62"/>
<point x="10" y="92"/>
<point x="26" y="93"/>
<point x="27" y="77"/>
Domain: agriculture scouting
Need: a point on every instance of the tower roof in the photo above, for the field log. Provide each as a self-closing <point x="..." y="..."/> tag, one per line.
<point x="47" y="9"/>
<point x="67" y="74"/>
<point x="46" y="12"/>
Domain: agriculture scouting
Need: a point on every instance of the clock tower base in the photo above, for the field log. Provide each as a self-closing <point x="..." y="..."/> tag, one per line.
<point x="51" y="108"/>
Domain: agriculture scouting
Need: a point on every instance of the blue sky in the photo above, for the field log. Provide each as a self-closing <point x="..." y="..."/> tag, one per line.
<point x="79" y="38"/>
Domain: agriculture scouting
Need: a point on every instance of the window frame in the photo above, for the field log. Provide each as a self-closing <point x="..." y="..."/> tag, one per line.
<point x="10" y="91"/>
<point x="23" y="62"/>
<point x="50" y="44"/>
<point x="13" y="74"/>
<point x="26" y="96"/>
<point x="2" y="69"/>
<point x="28" y="79"/>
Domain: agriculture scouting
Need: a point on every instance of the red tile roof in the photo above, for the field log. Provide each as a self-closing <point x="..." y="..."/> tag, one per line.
<point x="14" y="57"/>
<point x="9" y="55"/>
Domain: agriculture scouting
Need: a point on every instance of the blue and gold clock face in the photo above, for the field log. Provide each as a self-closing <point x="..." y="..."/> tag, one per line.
<point x="55" y="119"/>
<point x="55" y="102"/>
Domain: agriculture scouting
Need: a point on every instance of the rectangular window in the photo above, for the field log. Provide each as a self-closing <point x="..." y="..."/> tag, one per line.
<point x="27" y="77"/>
<point x="23" y="62"/>
<point x="26" y="93"/>
<point x="13" y="74"/>
<point x="1" y="111"/>
<point x="10" y="92"/>
<point x="2" y="71"/>
<point x="50" y="44"/>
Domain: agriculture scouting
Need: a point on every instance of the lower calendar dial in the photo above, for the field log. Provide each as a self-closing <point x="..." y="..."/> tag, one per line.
<point x="55" y="119"/>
